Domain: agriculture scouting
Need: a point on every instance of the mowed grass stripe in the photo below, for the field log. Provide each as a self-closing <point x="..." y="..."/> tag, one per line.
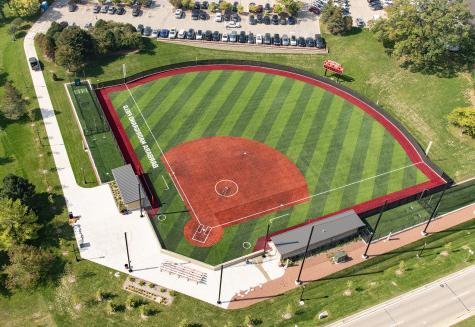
<point x="221" y="114"/>
<point x="293" y="122"/>
<point x="332" y="156"/>
<point x="178" y="117"/>
<point x="384" y="166"/>
<point x="396" y="176"/>
<point x="271" y="115"/>
<point x="240" y="104"/>
<point x="252" y="105"/>
<point x="358" y="162"/>
<point x="186" y="127"/>
<point x="277" y="128"/>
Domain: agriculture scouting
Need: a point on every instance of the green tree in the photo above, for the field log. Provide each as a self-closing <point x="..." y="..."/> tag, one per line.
<point x="430" y="36"/>
<point x="465" y="119"/>
<point x="213" y="6"/>
<point x="54" y="30"/>
<point x="224" y="5"/>
<point x="13" y="105"/>
<point x="327" y="11"/>
<point x="336" y="24"/>
<point x="74" y="45"/>
<point x="186" y="4"/>
<point x="176" y="3"/>
<point x="14" y="26"/>
<point x="18" y="223"/>
<point x="240" y="9"/>
<point x="24" y="8"/>
<point x="17" y="188"/>
<point x="28" y="267"/>
<point x="291" y="6"/>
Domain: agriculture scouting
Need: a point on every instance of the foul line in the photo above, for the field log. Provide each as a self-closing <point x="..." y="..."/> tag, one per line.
<point x="184" y="198"/>
<point x="314" y="195"/>
<point x="166" y="184"/>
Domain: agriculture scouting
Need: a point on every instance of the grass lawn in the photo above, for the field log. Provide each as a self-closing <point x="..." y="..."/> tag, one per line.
<point x="466" y="323"/>
<point x="332" y="142"/>
<point x="99" y="138"/>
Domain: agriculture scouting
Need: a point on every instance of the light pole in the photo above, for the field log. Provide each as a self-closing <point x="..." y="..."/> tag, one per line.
<point x="267" y="240"/>
<point x="434" y="212"/>
<point x="365" y="254"/>
<point x="220" y="283"/>
<point x="298" y="281"/>
<point x="127" y="266"/>
<point x="140" y="200"/>
<point x="301" y="299"/>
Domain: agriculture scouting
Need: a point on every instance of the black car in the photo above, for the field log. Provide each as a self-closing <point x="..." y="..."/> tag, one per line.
<point x="204" y="5"/>
<point x="235" y="17"/>
<point x="147" y="31"/>
<point x="251" y="38"/>
<point x="291" y="20"/>
<point x="148" y="4"/>
<point x="301" y="42"/>
<point x="96" y="9"/>
<point x="227" y="17"/>
<point x="120" y="11"/>
<point x="72" y="7"/>
<point x="259" y="18"/>
<point x="277" y="40"/>
<point x="34" y="63"/>
<point x="267" y="7"/>
<point x="208" y="35"/>
<point x="140" y="28"/>
<point x="242" y="37"/>
<point x="283" y="21"/>
<point x="197" y="5"/>
<point x="234" y="6"/>
<point x="319" y="41"/>
<point x="195" y="14"/>
<point x="275" y="20"/>
<point x="252" y="20"/>
<point x="216" y="36"/>
<point x="266" y="20"/>
<point x="190" y="34"/>
<point x="203" y="15"/>
<point x="164" y="33"/>
<point x="136" y="10"/>
<point x="267" y="39"/>
<point x="310" y="42"/>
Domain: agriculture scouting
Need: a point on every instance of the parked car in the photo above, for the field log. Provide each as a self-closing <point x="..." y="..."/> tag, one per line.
<point x="266" y="20"/>
<point x="310" y="42"/>
<point x="202" y="15"/>
<point x="319" y="41"/>
<point x="155" y="33"/>
<point x="195" y="14"/>
<point x="360" y="22"/>
<point x="164" y="33"/>
<point x="120" y="11"/>
<point x="197" y="5"/>
<point x="267" y="39"/>
<point x="276" y="39"/>
<point x="112" y="10"/>
<point x="34" y="63"/>
<point x="96" y="9"/>
<point x="140" y="28"/>
<point x="178" y="13"/>
<point x="204" y="5"/>
<point x="172" y="33"/>
<point x="233" y="36"/>
<point x="285" y="40"/>
<point x="283" y="21"/>
<point x="242" y="37"/>
<point x="218" y="18"/>
<point x="190" y="35"/>
<point x="199" y="35"/>
<point x="301" y="42"/>
<point x="233" y="24"/>
<point x="181" y="34"/>
<point x="267" y="7"/>
<point x="252" y="20"/>
<point x="225" y="37"/>
<point x="216" y="36"/>
<point x="136" y="10"/>
<point x="72" y="7"/>
<point x="293" y="40"/>
<point x="275" y="20"/>
<point x="315" y="10"/>
<point x="291" y="20"/>
<point x="105" y="9"/>
<point x="235" y="17"/>
<point x="258" y="39"/>
<point x="251" y="39"/>
<point x="208" y="35"/>
<point x="147" y="31"/>
<point x="259" y="18"/>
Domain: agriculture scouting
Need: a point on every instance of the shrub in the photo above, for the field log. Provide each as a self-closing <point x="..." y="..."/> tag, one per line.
<point x="465" y="119"/>
<point x="142" y="283"/>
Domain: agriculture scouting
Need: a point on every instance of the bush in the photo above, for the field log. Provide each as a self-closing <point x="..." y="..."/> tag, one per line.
<point x="142" y="283"/>
<point x="172" y="293"/>
<point x="465" y="119"/>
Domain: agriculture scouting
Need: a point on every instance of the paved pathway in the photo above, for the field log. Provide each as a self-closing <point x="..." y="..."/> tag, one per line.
<point x="101" y="226"/>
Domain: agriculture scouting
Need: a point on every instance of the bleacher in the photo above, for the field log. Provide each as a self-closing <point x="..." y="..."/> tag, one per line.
<point x="184" y="272"/>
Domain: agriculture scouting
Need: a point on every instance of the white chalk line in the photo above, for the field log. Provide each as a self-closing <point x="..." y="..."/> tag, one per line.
<point x="184" y="198"/>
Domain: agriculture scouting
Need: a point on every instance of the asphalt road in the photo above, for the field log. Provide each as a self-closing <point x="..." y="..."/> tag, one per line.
<point x="441" y="303"/>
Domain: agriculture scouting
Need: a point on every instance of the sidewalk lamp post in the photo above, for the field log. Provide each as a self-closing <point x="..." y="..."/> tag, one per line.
<point x="127" y="265"/>
<point x="220" y="283"/>
<point x="365" y="254"/>
<point x="434" y="213"/>
<point x="267" y="240"/>
<point x="298" y="281"/>
<point x="140" y="200"/>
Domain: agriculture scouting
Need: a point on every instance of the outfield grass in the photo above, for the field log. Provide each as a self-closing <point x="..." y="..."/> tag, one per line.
<point x="345" y="155"/>
<point x="99" y="137"/>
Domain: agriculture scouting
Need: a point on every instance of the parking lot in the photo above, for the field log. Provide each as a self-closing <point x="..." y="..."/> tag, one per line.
<point x="361" y="9"/>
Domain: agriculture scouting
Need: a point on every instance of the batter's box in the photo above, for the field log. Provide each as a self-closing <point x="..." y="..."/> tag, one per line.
<point x="201" y="233"/>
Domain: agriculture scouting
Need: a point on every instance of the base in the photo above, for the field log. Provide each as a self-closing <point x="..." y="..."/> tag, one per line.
<point x="423" y="233"/>
<point x="301" y="302"/>
<point x="365" y="256"/>
<point x="298" y="282"/>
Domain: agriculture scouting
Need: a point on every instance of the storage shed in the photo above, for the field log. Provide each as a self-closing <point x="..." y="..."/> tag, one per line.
<point x="129" y="184"/>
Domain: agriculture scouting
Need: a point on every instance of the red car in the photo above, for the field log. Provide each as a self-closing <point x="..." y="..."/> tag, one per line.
<point x="315" y="10"/>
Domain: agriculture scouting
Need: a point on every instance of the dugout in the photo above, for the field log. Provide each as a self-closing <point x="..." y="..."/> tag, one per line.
<point x="129" y="184"/>
<point x="327" y="232"/>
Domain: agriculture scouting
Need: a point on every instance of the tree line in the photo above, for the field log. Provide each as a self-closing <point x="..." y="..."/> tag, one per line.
<point x="71" y="47"/>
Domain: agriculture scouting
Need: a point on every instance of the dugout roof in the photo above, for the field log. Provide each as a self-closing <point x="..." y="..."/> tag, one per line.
<point x="128" y="184"/>
<point x="332" y="228"/>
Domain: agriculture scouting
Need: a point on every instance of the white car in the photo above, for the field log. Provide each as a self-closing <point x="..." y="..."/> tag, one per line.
<point x="293" y="40"/>
<point x="218" y="18"/>
<point x="258" y="39"/>
<point x="199" y="35"/>
<point x="225" y="37"/>
<point x="178" y="13"/>
<point x="360" y="22"/>
<point x="181" y="34"/>
<point x="233" y="24"/>
<point x="155" y="33"/>
<point x="172" y="34"/>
